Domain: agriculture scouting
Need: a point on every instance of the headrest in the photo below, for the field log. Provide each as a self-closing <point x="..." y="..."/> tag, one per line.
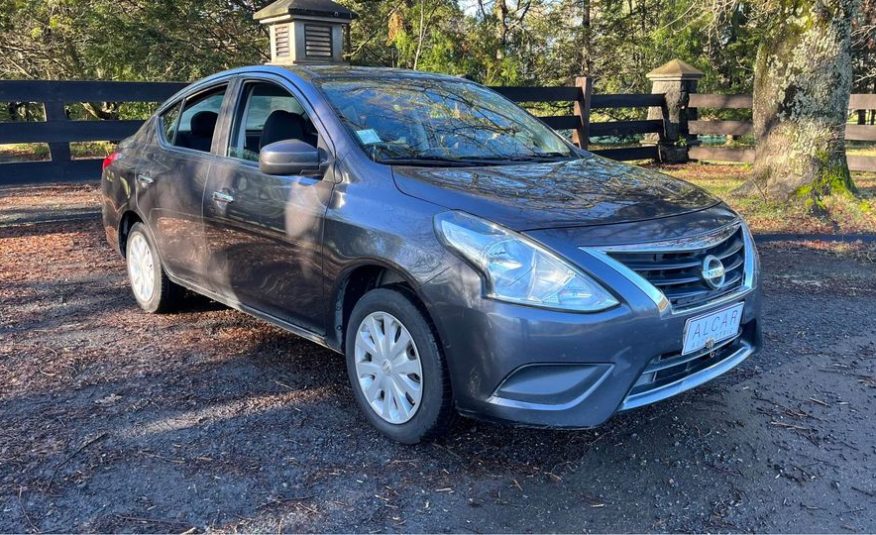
<point x="203" y="123"/>
<point x="281" y="125"/>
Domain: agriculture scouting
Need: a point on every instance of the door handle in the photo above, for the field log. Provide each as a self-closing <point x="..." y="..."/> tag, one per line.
<point x="145" y="180"/>
<point x="222" y="197"/>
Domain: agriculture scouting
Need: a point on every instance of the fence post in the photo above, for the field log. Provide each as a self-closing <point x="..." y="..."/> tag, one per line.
<point x="59" y="152"/>
<point x="676" y="80"/>
<point x="581" y="135"/>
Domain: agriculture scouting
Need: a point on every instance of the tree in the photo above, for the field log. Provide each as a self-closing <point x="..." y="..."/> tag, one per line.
<point x="864" y="55"/>
<point x="124" y="40"/>
<point x="127" y="39"/>
<point x="803" y="77"/>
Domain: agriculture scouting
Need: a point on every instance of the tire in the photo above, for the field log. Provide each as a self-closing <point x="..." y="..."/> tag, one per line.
<point x="431" y="413"/>
<point x="154" y="292"/>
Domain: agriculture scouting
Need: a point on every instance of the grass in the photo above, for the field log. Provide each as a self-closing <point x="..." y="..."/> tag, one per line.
<point x="39" y="152"/>
<point x="861" y="150"/>
<point x="843" y="215"/>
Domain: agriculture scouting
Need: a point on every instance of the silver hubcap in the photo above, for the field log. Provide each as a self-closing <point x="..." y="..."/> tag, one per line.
<point x="140" y="268"/>
<point x="388" y="367"/>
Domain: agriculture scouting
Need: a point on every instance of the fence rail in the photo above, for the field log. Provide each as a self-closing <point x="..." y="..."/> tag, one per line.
<point x="58" y="130"/>
<point x="584" y="102"/>
<point x="854" y="132"/>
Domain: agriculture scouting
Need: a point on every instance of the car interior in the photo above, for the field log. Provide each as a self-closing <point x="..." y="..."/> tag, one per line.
<point x="269" y="114"/>
<point x="198" y="121"/>
<point x="200" y="137"/>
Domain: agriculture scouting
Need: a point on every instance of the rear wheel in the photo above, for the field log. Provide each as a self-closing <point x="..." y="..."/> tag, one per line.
<point x="396" y="368"/>
<point x="152" y="289"/>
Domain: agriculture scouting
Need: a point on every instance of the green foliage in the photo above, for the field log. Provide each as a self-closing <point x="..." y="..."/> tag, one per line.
<point x="126" y="40"/>
<point x="550" y="42"/>
<point x="535" y="42"/>
<point x="545" y="42"/>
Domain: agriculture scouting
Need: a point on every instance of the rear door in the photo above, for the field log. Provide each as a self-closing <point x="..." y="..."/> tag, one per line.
<point x="263" y="232"/>
<point x="171" y="179"/>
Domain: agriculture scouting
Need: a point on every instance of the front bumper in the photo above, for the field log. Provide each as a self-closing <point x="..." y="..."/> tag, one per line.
<point x="704" y="367"/>
<point x="545" y="368"/>
<point x="553" y="373"/>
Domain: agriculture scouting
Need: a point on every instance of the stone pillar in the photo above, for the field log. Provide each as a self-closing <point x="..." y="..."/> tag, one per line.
<point x="677" y="80"/>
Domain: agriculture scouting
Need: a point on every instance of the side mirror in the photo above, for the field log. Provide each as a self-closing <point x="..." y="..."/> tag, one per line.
<point x="288" y="157"/>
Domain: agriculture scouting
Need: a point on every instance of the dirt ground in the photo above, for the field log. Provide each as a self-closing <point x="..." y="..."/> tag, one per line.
<point x="209" y="420"/>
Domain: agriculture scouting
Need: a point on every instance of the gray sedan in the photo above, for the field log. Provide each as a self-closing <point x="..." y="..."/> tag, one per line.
<point x="464" y="258"/>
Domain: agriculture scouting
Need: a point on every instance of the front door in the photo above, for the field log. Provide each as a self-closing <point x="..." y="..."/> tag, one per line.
<point x="171" y="179"/>
<point x="263" y="232"/>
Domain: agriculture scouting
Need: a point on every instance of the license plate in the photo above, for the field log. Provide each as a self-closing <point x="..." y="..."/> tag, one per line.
<point x="709" y="329"/>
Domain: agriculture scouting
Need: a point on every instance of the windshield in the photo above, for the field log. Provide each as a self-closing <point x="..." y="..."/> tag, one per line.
<point x="421" y="120"/>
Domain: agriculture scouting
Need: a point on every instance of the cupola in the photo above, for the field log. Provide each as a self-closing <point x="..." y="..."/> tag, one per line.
<point x="306" y="31"/>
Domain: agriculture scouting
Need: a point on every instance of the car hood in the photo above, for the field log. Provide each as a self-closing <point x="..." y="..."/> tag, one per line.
<point x="590" y="191"/>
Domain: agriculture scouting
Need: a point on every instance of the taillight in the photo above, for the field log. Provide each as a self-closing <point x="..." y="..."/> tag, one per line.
<point x="109" y="160"/>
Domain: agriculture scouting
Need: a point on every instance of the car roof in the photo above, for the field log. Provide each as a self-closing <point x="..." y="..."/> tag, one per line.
<point x="312" y="74"/>
<point x="316" y="73"/>
<point x="350" y="71"/>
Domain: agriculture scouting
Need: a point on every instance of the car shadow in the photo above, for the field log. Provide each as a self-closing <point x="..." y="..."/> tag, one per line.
<point x="255" y="430"/>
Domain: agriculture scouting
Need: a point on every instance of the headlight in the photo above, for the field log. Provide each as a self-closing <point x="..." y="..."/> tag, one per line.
<point x="519" y="270"/>
<point x="752" y="259"/>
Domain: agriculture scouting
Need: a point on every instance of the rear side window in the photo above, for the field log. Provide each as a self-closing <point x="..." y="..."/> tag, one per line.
<point x="197" y="124"/>
<point x="169" y="122"/>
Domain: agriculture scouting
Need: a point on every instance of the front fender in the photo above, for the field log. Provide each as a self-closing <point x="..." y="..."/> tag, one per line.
<point x="370" y="223"/>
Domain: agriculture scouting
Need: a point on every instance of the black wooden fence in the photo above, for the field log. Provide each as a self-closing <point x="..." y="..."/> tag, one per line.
<point x="58" y="131"/>
<point x="584" y="102"/>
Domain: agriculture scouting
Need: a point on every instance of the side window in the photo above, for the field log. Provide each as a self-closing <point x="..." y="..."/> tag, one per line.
<point x="168" y="122"/>
<point x="267" y="113"/>
<point x="197" y="124"/>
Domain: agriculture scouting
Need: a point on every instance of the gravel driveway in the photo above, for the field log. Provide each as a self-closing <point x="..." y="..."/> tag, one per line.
<point x="114" y="420"/>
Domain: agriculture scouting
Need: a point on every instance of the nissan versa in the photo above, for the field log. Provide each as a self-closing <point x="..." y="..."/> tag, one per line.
<point x="463" y="256"/>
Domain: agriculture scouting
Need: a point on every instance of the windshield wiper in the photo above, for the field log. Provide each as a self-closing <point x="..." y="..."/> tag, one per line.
<point x="505" y="160"/>
<point x="433" y="161"/>
<point x="542" y="157"/>
<point x="438" y="161"/>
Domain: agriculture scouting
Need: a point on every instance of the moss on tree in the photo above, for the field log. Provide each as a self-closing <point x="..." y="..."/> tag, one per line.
<point x="803" y="78"/>
<point x="834" y="179"/>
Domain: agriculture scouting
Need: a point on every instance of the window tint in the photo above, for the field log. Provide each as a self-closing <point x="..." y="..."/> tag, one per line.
<point x="197" y="124"/>
<point x="168" y="122"/>
<point x="268" y="113"/>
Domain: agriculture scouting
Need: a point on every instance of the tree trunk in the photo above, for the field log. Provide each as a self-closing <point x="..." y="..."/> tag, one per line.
<point x="803" y="77"/>
<point x="586" y="48"/>
<point x="501" y="11"/>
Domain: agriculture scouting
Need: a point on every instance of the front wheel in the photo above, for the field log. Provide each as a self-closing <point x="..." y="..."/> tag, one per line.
<point x="152" y="289"/>
<point x="396" y="368"/>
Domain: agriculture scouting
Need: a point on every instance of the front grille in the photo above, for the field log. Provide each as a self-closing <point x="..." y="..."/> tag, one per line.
<point x="671" y="367"/>
<point x="678" y="272"/>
